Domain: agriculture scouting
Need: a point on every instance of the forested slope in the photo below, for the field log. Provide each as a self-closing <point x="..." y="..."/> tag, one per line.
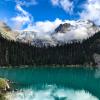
<point x="16" y="53"/>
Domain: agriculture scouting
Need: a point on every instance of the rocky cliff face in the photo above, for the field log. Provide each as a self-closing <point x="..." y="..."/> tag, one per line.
<point x="6" y="32"/>
<point x="62" y="28"/>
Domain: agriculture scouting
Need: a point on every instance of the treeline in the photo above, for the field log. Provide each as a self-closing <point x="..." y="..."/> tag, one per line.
<point x="16" y="53"/>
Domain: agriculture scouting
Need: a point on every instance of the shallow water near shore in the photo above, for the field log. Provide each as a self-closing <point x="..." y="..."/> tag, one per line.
<point x="53" y="83"/>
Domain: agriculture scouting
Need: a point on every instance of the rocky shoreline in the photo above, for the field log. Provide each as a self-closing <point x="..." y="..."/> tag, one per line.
<point x="4" y="88"/>
<point x="51" y="66"/>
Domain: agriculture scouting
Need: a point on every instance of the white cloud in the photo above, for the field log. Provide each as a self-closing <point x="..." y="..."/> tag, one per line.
<point x="91" y="11"/>
<point x="78" y="30"/>
<point x="78" y="34"/>
<point x="44" y="26"/>
<point x="30" y="3"/>
<point x="27" y="3"/>
<point x="22" y="18"/>
<point x="55" y="2"/>
<point x="19" y="8"/>
<point x="66" y="5"/>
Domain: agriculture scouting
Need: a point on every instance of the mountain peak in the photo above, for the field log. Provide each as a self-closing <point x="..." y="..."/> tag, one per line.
<point x="62" y="28"/>
<point x="7" y="32"/>
<point x="75" y="30"/>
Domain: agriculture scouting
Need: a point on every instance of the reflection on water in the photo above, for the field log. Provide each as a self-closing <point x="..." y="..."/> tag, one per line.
<point x="97" y="72"/>
<point x="71" y="82"/>
<point x="51" y="93"/>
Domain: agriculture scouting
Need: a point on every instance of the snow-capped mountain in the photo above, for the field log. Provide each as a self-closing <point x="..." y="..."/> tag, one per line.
<point x="75" y="30"/>
<point x="7" y="32"/>
<point x="26" y="36"/>
<point x="85" y="53"/>
<point x="66" y="32"/>
<point x="36" y="39"/>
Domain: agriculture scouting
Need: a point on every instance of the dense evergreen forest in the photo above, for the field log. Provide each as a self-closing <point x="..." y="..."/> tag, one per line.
<point x="16" y="53"/>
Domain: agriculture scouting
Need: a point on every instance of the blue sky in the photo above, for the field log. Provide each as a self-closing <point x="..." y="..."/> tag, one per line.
<point x="27" y="12"/>
<point x="42" y="10"/>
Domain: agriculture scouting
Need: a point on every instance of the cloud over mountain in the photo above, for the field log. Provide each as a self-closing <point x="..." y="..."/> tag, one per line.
<point x="44" y="26"/>
<point x="25" y="20"/>
<point x="52" y="33"/>
<point x="82" y="28"/>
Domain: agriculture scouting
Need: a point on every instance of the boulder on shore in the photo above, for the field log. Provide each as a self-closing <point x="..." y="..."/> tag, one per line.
<point x="4" y="85"/>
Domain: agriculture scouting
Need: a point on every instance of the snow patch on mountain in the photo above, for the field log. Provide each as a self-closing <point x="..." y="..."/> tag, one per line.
<point x="78" y="30"/>
<point x="65" y="32"/>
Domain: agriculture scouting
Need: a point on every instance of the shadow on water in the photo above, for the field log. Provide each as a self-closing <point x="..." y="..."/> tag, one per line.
<point x="75" y="78"/>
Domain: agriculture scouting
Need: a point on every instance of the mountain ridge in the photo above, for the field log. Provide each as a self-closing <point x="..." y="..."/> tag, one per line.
<point x="64" y="33"/>
<point x="15" y="53"/>
<point x="67" y="32"/>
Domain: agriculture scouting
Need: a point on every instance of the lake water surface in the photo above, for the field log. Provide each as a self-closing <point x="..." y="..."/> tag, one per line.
<point x="53" y="83"/>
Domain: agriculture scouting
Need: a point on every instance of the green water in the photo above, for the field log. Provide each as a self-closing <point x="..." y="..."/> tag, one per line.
<point x="72" y="79"/>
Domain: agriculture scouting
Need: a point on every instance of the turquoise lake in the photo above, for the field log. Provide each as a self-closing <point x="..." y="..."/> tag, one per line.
<point x="53" y="83"/>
